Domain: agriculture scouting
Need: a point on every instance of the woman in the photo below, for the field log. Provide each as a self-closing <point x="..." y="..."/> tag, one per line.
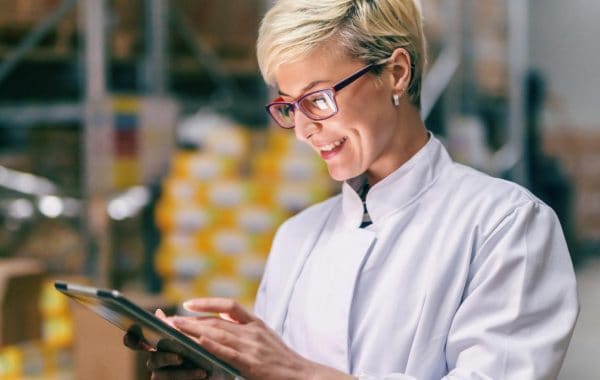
<point x="421" y="268"/>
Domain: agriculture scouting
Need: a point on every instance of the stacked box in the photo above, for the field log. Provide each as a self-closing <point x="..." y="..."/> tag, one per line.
<point x="126" y="132"/>
<point x="20" y="319"/>
<point x="48" y="355"/>
<point x="579" y="153"/>
<point x="98" y="349"/>
<point x="222" y="204"/>
<point x="129" y="142"/>
<point x="228" y="28"/>
<point x="57" y="327"/>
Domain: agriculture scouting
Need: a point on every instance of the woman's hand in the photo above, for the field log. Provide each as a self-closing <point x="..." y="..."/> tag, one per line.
<point x="164" y="365"/>
<point x="246" y="343"/>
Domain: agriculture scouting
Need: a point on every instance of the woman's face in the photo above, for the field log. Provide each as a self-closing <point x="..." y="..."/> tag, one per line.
<point x="366" y="133"/>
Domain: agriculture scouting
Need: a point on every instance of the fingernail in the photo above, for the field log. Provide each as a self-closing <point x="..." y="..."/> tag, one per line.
<point x="199" y="373"/>
<point x="146" y="346"/>
<point x="178" y="320"/>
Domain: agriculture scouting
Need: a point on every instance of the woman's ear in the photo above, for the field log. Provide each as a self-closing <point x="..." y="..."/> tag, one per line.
<point x="401" y="70"/>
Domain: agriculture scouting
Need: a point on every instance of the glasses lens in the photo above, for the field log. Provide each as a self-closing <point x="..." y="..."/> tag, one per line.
<point x="319" y="104"/>
<point x="283" y="114"/>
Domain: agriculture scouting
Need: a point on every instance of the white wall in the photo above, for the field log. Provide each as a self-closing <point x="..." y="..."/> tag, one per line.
<point x="565" y="45"/>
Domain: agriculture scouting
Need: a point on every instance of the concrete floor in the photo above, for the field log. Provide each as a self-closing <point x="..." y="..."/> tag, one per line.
<point x="583" y="358"/>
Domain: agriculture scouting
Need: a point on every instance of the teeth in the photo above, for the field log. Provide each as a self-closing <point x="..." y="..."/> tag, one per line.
<point x="333" y="145"/>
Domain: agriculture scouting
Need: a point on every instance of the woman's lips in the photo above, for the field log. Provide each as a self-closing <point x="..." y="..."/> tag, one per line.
<point x="330" y="150"/>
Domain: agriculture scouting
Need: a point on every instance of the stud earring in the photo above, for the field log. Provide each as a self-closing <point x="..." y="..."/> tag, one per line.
<point x="396" y="99"/>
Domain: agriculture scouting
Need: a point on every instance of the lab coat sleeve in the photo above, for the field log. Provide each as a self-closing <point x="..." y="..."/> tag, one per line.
<point x="263" y="296"/>
<point x="519" y="306"/>
<point x="259" y="304"/>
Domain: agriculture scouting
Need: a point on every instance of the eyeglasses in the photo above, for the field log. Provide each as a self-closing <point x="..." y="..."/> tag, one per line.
<point x="316" y="105"/>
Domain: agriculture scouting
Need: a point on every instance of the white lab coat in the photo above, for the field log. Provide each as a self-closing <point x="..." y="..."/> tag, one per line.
<point x="460" y="276"/>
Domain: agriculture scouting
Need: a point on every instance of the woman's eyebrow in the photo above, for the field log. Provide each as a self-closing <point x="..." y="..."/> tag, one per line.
<point x="305" y="89"/>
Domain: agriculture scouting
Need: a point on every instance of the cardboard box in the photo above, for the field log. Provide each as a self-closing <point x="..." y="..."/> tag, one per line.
<point x="578" y="151"/>
<point x="99" y="353"/>
<point x="20" y="288"/>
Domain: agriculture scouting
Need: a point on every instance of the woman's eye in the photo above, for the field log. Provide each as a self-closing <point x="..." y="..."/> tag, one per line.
<point x="284" y="111"/>
<point x="321" y="103"/>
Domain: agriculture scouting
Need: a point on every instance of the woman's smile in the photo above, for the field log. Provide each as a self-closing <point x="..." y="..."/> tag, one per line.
<point x="330" y="150"/>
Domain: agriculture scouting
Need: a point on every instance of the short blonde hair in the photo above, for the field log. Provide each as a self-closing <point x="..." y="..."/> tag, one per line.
<point x="368" y="30"/>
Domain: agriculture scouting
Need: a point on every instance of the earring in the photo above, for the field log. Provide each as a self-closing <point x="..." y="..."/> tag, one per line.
<point x="396" y="99"/>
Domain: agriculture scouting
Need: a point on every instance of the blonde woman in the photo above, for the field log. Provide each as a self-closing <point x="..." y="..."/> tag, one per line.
<point x="421" y="268"/>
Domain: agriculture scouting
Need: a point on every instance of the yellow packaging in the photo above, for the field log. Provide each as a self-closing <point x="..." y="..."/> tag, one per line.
<point x="184" y="191"/>
<point x="228" y="287"/>
<point x="11" y="363"/>
<point x="179" y="290"/>
<point x="265" y="165"/>
<point x="251" y="267"/>
<point x="185" y="265"/>
<point x="52" y="302"/>
<point x="57" y="360"/>
<point x="241" y="290"/>
<point x="58" y="331"/>
<point x="191" y="219"/>
<point x="162" y="263"/>
<point x="258" y="219"/>
<point x="299" y="167"/>
<point x="261" y="243"/>
<point x="126" y="104"/>
<point x="227" y="194"/>
<point x="126" y="172"/>
<point x="178" y="250"/>
<point x="228" y="141"/>
<point x="231" y="242"/>
<point x="179" y="242"/>
<point x="225" y="265"/>
<point x="260" y="192"/>
<point x="296" y="196"/>
<point x="280" y="141"/>
<point x="252" y="291"/>
<point x="224" y="217"/>
<point x="203" y="166"/>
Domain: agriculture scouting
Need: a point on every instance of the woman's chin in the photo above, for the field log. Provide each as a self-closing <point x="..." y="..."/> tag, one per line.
<point x="342" y="174"/>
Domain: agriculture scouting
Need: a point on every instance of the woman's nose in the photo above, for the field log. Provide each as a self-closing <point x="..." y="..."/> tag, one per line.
<point x="304" y="127"/>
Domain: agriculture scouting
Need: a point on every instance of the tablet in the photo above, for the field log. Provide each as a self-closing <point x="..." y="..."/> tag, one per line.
<point x="123" y="313"/>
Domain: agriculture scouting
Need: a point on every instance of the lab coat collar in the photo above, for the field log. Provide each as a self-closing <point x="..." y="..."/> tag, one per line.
<point x="398" y="189"/>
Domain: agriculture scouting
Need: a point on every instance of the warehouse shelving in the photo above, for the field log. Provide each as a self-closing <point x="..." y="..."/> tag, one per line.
<point x="447" y="83"/>
<point x="451" y="79"/>
<point x="87" y="105"/>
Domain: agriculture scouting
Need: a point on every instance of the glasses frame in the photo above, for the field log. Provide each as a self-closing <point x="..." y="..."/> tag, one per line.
<point x="331" y="92"/>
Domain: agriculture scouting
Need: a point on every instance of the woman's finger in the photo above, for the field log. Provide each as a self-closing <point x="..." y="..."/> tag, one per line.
<point x="162" y="316"/>
<point x="158" y="360"/>
<point x="195" y="325"/>
<point x="224" y="332"/>
<point x="232" y="309"/>
<point x="134" y="342"/>
<point x="223" y="352"/>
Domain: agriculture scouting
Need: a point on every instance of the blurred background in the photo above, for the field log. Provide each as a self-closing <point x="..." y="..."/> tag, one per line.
<point x="135" y="154"/>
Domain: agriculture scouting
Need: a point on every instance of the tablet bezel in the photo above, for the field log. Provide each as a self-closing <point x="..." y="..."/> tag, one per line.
<point x="98" y="300"/>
